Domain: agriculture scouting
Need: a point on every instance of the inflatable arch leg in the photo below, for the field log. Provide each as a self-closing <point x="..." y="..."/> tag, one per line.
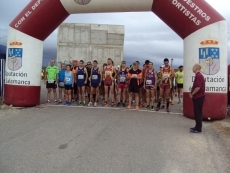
<point x="203" y="29"/>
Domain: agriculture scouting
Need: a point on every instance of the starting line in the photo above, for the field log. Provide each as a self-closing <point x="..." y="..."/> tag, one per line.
<point x="110" y="108"/>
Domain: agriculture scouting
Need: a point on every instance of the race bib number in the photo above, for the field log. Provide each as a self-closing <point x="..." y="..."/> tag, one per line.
<point x="67" y="79"/>
<point x="80" y="76"/>
<point x="107" y="73"/>
<point x="94" y="77"/>
<point x="61" y="84"/>
<point x="122" y="79"/>
<point x="134" y="75"/>
<point x="165" y="75"/>
<point x="148" y="82"/>
<point x="50" y="81"/>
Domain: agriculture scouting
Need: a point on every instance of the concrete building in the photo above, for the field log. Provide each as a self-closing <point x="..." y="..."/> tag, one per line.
<point x="90" y="42"/>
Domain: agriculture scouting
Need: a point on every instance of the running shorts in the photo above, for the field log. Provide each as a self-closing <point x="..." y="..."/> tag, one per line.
<point x="134" y="88"/>
<point x="95" y="85"/>
<point x="68" y="87"/>
<point x="61" y="85"/>
<point x="165" y="86"/>
<point x="80" y="83"/>
<point x="122" y="86"/>
<point x="179" y="86"/>
<point x="149" y="88"/>
<point x="51" y="85"/>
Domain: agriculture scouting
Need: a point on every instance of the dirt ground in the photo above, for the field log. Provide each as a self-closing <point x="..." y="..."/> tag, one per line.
<point x="223" y="127"/>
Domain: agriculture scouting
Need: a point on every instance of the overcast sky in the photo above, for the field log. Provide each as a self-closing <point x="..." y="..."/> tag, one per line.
<point x="146" y="36"/>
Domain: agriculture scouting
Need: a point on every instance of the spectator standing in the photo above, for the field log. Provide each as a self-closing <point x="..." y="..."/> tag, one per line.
<point x="198" y="96"/>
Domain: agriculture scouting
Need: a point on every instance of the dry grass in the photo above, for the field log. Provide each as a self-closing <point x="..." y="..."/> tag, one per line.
<point x="223" y="127"/>
<point x="227" y="129"/>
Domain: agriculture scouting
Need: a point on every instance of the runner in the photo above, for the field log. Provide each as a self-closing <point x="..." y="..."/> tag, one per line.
<point x="69" y="83"/>
<point x="88" y="67"/>
<point x="140" y="90"/>
<point x="135" y="76"/>
<point x="167" y="73"/>
<point x="81" y="80"/>
<point x="116" y="85"/>
<point x="102" y="87"/>
<point x="51" y="80"/>
<point x="143" y="91"/>
<point x="172" y="83"/>
<point x="180" y="82"/>
<point x="114" y="74"/>
<point x="109" y="81"/>
<point x="61" y="84"/>
<point x="150" y="84"/>
<point x="74" y="89"/>
<point x="95" y="83"/>
<point x="122" y="84"/>
<point x="159" y="76"/>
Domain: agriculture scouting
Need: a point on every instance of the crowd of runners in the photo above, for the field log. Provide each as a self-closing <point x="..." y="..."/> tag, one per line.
<point x="88" y="84"/>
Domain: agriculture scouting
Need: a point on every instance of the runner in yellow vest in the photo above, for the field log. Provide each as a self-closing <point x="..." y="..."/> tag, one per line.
<point x="51" y="80"/>
<point x="180" y="81"/>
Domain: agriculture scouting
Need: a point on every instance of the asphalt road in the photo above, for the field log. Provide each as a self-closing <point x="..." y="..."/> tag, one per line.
<point x="61" y="139"/>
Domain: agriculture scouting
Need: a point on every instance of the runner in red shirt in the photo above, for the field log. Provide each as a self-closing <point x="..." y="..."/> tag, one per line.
<point x="167" y="73"/>
<point x="109" y="81"/>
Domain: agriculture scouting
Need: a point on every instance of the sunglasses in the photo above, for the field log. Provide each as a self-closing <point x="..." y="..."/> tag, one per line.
<point x="88" y="64"/>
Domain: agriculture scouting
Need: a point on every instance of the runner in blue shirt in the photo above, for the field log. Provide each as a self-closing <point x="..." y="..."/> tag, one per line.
<point x="95" y="83"/>
<point x="81" y="80"/>
<point x="69" y="82"/>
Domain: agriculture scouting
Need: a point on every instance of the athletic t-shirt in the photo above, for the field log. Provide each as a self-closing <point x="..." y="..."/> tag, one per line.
<point x="122" y="76"/>
<point x="150" y="77"/>
<point x="96" y="77"/>
<point x="166" y="75"/>
<point x="180" y="77"/>
<point x="61" y="75"/>
<point x="52" y="72"/>
<point x="81" y="74"/>
<point x="138" y="73"/>
<point x="68" y="78"/>
<point x="74" y="69"/>
<point x="108" y="73"/>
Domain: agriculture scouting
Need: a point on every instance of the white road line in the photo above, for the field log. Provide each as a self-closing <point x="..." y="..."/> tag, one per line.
<point x="122" y="109"/>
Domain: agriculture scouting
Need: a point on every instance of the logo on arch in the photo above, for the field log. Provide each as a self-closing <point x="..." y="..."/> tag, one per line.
<point x="82" y="2"/>
<point x="15" y="53"/>
<point x="209" y="57"/>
